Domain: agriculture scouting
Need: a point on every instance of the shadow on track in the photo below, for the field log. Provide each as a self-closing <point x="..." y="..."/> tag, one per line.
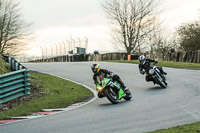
<point x="121" y="103"/>
<point x="155" y="88"/>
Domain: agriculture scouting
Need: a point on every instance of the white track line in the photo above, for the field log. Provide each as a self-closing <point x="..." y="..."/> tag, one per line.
<point x="63" y="109"/>
<point x="192" y="113"/>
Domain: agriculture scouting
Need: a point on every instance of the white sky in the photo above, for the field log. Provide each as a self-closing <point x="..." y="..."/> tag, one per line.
<point x="54" y="20"/>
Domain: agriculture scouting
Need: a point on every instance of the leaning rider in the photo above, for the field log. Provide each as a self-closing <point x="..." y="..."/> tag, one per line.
<point x="145" y="64"/>
<point x="107" y="74"/>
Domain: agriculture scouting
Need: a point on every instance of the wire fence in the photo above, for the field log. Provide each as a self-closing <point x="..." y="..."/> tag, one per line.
<point x="64" y="48"/>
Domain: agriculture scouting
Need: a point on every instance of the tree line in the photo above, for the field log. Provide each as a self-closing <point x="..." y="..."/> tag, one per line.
<point x="136" y="27"/>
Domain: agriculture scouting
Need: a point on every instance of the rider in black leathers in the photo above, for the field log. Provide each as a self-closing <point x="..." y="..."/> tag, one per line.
<point x="107" y="74"/>
<point x="145" y="64"/>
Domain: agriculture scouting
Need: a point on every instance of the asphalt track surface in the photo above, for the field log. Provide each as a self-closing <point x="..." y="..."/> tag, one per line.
<point x="151" y="107"/>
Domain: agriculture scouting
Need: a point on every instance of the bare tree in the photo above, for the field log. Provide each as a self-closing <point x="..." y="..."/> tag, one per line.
<point x="164" y="44"/>
<point x="14" y="31"/>
<point x="131" y="21"/>
<point x="149" y="40"/>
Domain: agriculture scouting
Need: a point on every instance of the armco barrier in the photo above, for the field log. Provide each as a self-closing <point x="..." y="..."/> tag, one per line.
<point x="13" y="85"/>
<point x="15" y="65"/>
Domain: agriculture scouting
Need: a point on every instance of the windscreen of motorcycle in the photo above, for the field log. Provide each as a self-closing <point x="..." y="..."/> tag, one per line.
<point x="151" y="71"/>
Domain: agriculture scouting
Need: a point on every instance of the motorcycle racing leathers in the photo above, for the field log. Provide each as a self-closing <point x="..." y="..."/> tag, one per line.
<point x="144" y="68"/>
<point x="108" y="74"/>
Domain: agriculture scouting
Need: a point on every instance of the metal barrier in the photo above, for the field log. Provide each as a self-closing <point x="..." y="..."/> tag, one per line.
<point x="13" y="85"/>
<point x="15" y="65"/>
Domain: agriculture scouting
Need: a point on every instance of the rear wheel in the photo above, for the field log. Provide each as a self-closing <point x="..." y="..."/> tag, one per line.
<point x="111" y="95"/>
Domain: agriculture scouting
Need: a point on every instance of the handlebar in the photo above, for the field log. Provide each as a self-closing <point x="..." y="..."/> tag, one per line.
<point x="155" y="62"/>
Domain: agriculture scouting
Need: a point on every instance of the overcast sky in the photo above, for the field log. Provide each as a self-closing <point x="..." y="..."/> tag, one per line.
<point x="54" y="20"/>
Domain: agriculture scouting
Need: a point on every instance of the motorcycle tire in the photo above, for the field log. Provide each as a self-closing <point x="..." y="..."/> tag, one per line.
<point x="128" y="95"/>
<point x="111" y="95"/>
<point x="161" y="83"/>
<point x="100" y="95"/>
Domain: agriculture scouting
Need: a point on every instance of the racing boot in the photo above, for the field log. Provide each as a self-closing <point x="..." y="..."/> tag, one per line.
<point x="123" y="86"/>
<point x="164" y="73"/>
<point x="161" y="70"/>
<point x="126" y="89"/>
<point x="118" y="79"/>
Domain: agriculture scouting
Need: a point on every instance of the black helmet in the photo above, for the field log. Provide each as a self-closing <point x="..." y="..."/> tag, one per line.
<point x="95" y="68"/>
<point x="142" y="59"/>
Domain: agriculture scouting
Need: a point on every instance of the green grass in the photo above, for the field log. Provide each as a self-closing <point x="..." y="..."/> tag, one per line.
<point x="189" y="128"/>
<point x="4" y="67"/>
<point x="58" y="94"/>
<point x="194" y="66"/>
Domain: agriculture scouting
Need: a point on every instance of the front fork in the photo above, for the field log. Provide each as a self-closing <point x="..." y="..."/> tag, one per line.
<point x="116" y="87"/>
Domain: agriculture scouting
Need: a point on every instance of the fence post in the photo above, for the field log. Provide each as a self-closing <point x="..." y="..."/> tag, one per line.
<point x="198" y="56"/>
<point x="195" y="56"/>
<point x="16" y="66"/>
<point x="26" y="84"/>
<point x="13" y="64"/>
<point x="9" y="60"/>
<point x="20" y="67"/>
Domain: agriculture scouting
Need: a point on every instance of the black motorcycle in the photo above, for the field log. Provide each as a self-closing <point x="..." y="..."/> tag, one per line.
<point x="157" y="76"/>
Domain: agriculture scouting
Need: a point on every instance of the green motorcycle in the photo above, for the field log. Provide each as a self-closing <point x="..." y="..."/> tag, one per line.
<point x="111" y="89"/>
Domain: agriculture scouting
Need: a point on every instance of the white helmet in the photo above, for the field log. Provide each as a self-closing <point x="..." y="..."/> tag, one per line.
<point x="142" y="59"/>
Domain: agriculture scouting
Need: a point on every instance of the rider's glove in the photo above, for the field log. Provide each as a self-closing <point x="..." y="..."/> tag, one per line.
<point x="142" y="72"/>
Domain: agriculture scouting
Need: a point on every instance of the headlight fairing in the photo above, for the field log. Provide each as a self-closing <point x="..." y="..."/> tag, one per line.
<point x="99" y="88"/>
<point x="151" y="71"/>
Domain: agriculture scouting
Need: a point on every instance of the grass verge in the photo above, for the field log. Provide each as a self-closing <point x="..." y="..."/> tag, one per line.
<point x="58" y="93"/>
<point x="4" y="67"/>
<point x="188" y="128"/>
<point x="181" y="65"/>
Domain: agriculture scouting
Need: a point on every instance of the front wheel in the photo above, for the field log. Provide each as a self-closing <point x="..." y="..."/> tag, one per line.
<point x="111" y="95"/>
<point x="161" y="82"/>
<point x="128" y="95"/>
